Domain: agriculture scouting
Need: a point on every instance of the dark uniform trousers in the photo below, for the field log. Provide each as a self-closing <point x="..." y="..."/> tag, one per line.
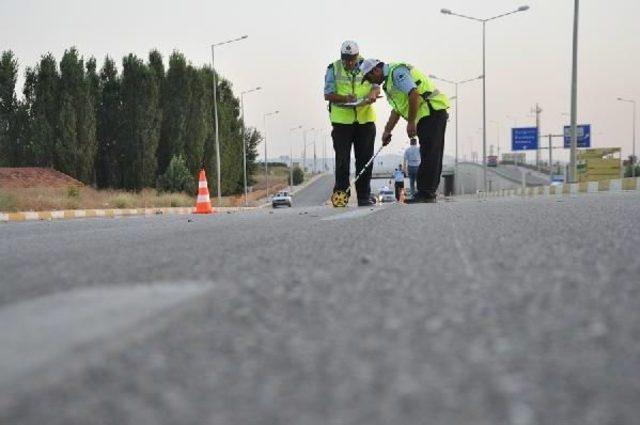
<point x="431" y="131"/>
<point x="362" y="137"/>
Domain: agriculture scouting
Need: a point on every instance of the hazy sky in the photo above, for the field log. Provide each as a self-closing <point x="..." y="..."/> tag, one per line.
<point x="291" y="42"/>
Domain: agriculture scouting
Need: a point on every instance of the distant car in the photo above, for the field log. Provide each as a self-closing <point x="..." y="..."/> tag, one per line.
<point x="492" y="161"/>
<point x="386" y="195"/>
<point x="281" y="198"/>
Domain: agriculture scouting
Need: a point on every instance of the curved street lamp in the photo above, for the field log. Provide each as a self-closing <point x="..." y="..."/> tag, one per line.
<point x="484" y="79"/>
<point x="244" y="143"/>
<point x="215" y="108"/>
<point x="266" y="162"/>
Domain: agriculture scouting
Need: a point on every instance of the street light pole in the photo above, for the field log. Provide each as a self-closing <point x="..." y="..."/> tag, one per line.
<point x="574" y="97"/>
<point x="314" y="151"/>
<point x="266" y="162"/>
<point x="484" y="80"/>
<point x="304" y="149"/>
<point x="215" y="109"/>
<point x="633" y="164"/>
<point x="456" y="84"/>
<point x="244" y="144"/>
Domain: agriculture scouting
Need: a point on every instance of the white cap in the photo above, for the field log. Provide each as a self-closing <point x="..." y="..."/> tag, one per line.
<point x="349" y="48"/>
<point x="367" y="65"/>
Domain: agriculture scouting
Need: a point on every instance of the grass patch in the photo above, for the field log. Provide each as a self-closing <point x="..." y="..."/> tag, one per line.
<point x="123" y="200"/>
<point x="7" y="202"/>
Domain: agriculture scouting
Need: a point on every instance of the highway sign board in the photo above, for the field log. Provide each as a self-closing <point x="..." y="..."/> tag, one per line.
<point x="584" y="136"/>
<point x="524" y="138"/>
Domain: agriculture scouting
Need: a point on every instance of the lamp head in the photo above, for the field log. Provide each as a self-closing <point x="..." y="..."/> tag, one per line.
<point x="445" y="11"/>
<point x="523" y="8"/>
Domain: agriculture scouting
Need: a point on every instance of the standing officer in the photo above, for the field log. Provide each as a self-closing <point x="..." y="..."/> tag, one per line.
<point x="413" y="97"/>
<point x="352" y="117"/>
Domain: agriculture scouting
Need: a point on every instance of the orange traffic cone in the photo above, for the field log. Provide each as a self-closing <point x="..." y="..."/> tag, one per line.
<point x="203" y="204"/>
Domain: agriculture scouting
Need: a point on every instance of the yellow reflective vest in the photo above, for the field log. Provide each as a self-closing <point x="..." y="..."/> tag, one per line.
<point x="430" y="97"/>
<point x="350" y="83"/>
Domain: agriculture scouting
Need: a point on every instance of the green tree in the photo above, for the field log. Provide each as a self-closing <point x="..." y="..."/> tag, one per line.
<point x="297" y="175"/>
<point x="230" y="139"/>
<point x="140" y="103"/>
<point x="8" y="109"/>
<point x="109" y="117"/>
<point x="75" y="150"/>
<point x="252" y="138"/>
<point x="197" y="128"/>
<point x="177" y="177"/>
<point x="175" y="106"/>
<point x="71" y="81"/>
<point x="42" y="106"/>
<point x="87" y="107"/>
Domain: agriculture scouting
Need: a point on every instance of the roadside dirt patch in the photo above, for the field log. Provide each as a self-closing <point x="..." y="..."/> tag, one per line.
<point x="25" y="177"/>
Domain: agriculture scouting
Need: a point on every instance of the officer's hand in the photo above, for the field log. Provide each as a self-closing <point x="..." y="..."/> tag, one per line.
<point x="372" y="98"/>
<point x="411" y="130"/>
<point x="386" y="138"/>
<point x="349" y="98"/>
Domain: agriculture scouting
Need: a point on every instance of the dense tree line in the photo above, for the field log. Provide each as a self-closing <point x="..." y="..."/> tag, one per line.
<point x="117" y="129"/>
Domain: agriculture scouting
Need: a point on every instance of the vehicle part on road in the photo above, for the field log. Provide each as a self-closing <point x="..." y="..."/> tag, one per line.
<point x="203" y="203"/>
<point x="340" y="198"/>
<point x="281" y="198"/>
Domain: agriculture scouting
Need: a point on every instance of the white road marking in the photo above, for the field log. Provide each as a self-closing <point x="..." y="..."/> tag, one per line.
<point x="360" y="212"/>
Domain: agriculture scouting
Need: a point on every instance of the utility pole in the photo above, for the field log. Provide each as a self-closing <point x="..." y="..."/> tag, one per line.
<point x="574" y="96"/>
<point x="537" y="111"/>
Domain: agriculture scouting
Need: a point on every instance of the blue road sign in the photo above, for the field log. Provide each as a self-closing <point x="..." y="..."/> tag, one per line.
<point x="525" y="138"/>
<point x="584" y="136"/>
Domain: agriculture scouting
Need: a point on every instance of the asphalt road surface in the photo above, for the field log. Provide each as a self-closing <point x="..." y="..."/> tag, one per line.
<point x="504" y="311"/>
<point x="317" y="193"/>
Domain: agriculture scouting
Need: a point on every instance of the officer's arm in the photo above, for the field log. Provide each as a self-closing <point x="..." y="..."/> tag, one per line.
<point x="414" y="103"/>
<point x="338" y="98"/>
<point x="374" y="93"/>
<point x="391" y="122"/>
<point x="388" y="128"/>
<point x="330" y="87"/>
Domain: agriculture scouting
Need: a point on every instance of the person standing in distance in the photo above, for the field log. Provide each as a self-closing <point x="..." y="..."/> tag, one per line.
<point x="414" y="97"/>
<point x="412" y="163"/>
<point x="398" y="177"/>
<point x="352" y="118"/>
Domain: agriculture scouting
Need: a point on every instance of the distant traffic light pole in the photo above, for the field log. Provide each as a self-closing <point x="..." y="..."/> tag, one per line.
<point x="244" y="144"/>
<point x="215" y="109"/>
<point x="266" y="162"/>
<point x="633" y="165"/>
<point x="484" y="80"/>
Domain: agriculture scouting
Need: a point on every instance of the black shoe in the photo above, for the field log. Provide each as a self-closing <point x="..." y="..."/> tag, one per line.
<point x="366" y="202"/>
<point x="422" y="198"/>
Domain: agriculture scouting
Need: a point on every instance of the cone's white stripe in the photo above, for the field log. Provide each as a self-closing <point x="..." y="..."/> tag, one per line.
<point x="203" y="198"/>
<point x="202" y="183"/>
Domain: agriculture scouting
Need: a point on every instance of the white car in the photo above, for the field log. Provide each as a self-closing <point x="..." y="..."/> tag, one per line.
<point x="386" y="195"/>
<point x="281" y="198"/>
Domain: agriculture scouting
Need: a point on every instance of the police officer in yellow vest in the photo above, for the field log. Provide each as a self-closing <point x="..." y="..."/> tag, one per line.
<point x="413" y="97"/>
<point x="352" y="117"/>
